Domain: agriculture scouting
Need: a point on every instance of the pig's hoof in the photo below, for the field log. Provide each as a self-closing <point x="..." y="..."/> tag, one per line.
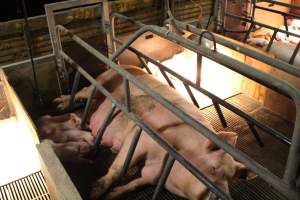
<point x="62" y="102"/>
<point x="99" y="188"/>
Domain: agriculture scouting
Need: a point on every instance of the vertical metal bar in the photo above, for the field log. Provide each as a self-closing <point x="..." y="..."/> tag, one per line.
<point x="55" y="40"/>
<point x="255" y="133"/>
<point x="293" y="57"/>
<point x="188" y="89"/>
<point x="286" y="25"/>
<point x="166" y="77"/>
<point x="106" y="121"/>
<point x="74" y="89"/>
<point x="272" y="40"/>
<point x="87" y="108"/>
<point x="131" y="150"/>
<point x="164" y="176"/>
<point x="107" y="27"/>
<point x="220" y="114"/>
<point x="248" y="32"/>
<point x="198" y="72"/>
<point x="127" y="94"/>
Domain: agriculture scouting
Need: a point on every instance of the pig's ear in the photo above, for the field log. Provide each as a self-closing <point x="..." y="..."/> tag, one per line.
<point x="229" y="137"/>
<point x="242" y="172"/>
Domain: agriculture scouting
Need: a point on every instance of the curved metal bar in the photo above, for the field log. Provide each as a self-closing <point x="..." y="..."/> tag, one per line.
<point x="285" y="187"/>
<point x="211" y="36"/>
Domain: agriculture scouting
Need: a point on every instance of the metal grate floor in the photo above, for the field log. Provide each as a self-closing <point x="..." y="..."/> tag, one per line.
<point x="255" y="189"/>
<point x="31" y="187"/>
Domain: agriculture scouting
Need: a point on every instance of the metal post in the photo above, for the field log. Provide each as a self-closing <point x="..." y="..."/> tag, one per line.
<point x="87" y="108"/>
<point x="107" y="119"/>
<point x="163" y="178"/>
<point x="127" y="94"/>
<point x="74" y="89"/>
<point x="131" y="150"/>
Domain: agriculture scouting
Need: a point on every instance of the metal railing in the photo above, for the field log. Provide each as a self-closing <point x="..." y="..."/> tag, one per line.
<point x="286" y="186"/>
<point x="251" y="20"/>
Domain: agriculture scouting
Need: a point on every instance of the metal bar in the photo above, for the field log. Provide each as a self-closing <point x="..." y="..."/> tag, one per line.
<point x="278" y="12"/>
<point x="220" y="114"/>
<point x="255" y="133"/>
<point x="282" y="4"/>
<point x="248" y="32"/>
<point x="293" y="57"/>
<point x="199" y="67"/>
<point x="239" y="47"/>
<point x="237" y="111"/>
<point x="25" y="63"/>
<point x="263" y="25"/>
<point x="106" y="122"/>
<point x="286" y="25"/>
<point x="276" y="182"/>
<point x="188" y="89"/>
<point x="74" y="89"/>
<point x="166" y="77"/>
<point x="131" y="150"/>
<point x="127" y="94"/>
<point x="164" y="176"/>
<point x="87" y="109"/>
<point x="271" y="41"/>
<point x="199" y="175"/>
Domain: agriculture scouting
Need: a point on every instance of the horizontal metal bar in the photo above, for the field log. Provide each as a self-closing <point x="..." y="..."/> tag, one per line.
<point x="215" y="98"/>
<point x="263" y="25"/>
<point x="70" y="4"/>
<point x="265" y="174"/>
<point x="147" y="129"/>
<point x="282" y="4"/>
<point x="25" y="63"/>
<point x="242" y="48"/>
<point x="277" y="12"/>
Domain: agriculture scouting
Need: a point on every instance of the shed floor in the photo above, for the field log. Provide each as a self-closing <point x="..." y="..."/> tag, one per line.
<point x="255" y="189"/>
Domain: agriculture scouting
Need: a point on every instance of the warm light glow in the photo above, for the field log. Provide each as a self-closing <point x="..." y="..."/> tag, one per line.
<point x="214" y="77"/>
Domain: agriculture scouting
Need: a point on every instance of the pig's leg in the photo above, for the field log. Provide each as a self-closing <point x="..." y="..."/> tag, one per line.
<point x="131" y="186"/>
<point x="114" y="171"/>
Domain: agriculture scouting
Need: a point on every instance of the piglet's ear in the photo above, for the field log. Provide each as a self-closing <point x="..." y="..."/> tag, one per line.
<point x="229" y="137"/>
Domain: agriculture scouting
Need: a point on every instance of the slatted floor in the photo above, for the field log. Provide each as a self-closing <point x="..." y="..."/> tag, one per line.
<point x="31" y="187"/>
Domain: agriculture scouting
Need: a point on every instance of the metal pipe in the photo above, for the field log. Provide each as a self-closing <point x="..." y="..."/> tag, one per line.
<point x="74" y="89"/>
<point x="107" y="119"/>
<point x="127" y="94"/>
<point x="131" y="150"/>
<point x="237" y="111"/>
<point x="239" y="47"/>
<point x="265" y="174"/>
<point x="189" y="91"/>
<point x="199" y="175"/>
<point x="87" y="109"/>
<point x="164" y="176"/>
<point x="220" y="114"/>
